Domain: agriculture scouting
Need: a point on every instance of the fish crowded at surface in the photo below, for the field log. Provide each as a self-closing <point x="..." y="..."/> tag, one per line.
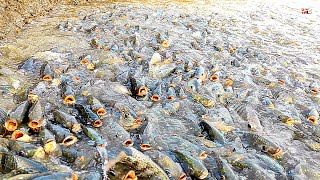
<point x="176" y="102"/>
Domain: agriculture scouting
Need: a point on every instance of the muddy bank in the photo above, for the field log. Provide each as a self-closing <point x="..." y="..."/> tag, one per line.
<point x="16" y="13"/>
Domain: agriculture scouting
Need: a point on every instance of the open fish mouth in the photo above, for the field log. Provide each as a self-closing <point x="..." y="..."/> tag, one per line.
<point x="74" y="177"/>
<point x="145" y="147"/>
<point x="34" y="124"/>
<point x="228" y="82"/>
<point x="277" y="153"/>
<point x="204" y="175"/>
<point x="128" y="143"/>
<point x="40" y="153"/>
<point x="142" y="91"/>
<point x="131" y="175"/>
<point x="69" y="100"/>
<point x="214" y="77"/>
<point x="137" y="121"/>
<point x="290" y="121"/>
<point x="69" y="140"/>
<point x="314" y="91"/>
<point x="101" y="112"/>
<point x="76" y="127"/>
<point x="20" y="136"/>
<point x="183" y="177"/>
<point x="203" y="155"/>
<point x="170" y="97"/>
<point x="280" y="81"/>
<point x="313" y="119"/>
<point x="50" y="146"/>
<point x="165" y="43"/>
<point x="84" y="61"/>
<point x="33" y="97"/>
<point x="91" y="66"/>
<point x="155" y="98"/>
<point x="58" y="71"/>
<point x="97" y="123"/>
<point x="47" y="77"/>
<point x="11" y="125"/>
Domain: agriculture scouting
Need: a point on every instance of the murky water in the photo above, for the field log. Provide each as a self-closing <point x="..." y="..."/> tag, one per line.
<point x="287" y="39"/>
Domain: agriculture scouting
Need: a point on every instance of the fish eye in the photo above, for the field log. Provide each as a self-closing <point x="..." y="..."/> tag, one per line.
<point x="249" y="126"/>
<point x="264" y="148"/>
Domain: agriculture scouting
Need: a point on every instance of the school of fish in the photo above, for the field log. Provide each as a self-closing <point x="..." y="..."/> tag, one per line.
<point x="159" y="96"/>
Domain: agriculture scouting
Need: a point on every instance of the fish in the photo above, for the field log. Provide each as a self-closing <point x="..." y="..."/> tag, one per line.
<point x="206" y="101"/>
<point x="192" y="166"/>
<point x="21" y="135"/>
<point x="213" y="132"/>
<point x="171" y="94"/>
<point x="68" y="95"/>
<point x="88" y="115"/>
<point x="225" y="169"/>
<point x="173" y="169"/>
<point x="25" y="149"/>
<point x="121" y="172"/>
<point x="157" y="93"/>
<point x="96" y="106"/>
<point x="143" y="164"/>
<point x="201" y="73"/>
<point x="130" y="120"/>
<point x="36" y="115"/>
<point x="6" y="123"/>
<point x="20" y="164"/>
<point x="262" y="143"/>
<point x="138" y="88"/>
<point x="249" y="114"/>
<point x="117" y="134"/>
<point x="313" y="115"/>
<point x="76" y="157"/>
<point x="49" y="143"/>
<point x="20" y="113"/>
<point x="46" y="72"/>
<point x="177" y="143"/>
<point x="94" y="136"/>
<point x="62" y="135"/>
<point x="67" y="120"/>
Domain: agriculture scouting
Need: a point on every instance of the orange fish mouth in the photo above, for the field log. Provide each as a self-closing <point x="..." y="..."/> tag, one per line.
<point x="280" y="81"/>
<point x="101" y="112"/>
<point x="69" y="100"/>
<point x="84" y="61"/>
<point x="228" y="82"/>
<point x="17" y="134"/>
<point x="170" y="97"/>
<point x="128" y="143"/>
<point x="145" y="146"/>
<point x="142" y="91"/>
<point x="313" y="119"/>
<point x="58" y="71"/>
<point x="11" y="125"/>
<point x="97" y="123"/>
<point x="70" y="140"/>
<point x="76" y="127"/>
<point x="165" y="43"/>
<point x="137" y="121"/>
<point x="34" y="124"/>
<point x="74" y="177"/>
<point x="33" y="97"/>
<point x="91" y="66"/>
<point x="214" y="78"/>
<point x="203" y="155"/>
<point x="155" y="98"/>
<point x="131" y="175"/>
<point x="50" y="146"/>
<point x="183" y="177"/>
<point x="314" y="91"/>
<point x="204" y="175"/>
<point x="47" y="77"/>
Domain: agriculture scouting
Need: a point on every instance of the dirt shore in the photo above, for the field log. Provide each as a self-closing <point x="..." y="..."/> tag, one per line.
<point x="16" y="13"/>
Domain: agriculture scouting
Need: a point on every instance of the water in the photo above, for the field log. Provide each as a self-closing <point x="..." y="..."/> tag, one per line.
<point x="288" y="40"/>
